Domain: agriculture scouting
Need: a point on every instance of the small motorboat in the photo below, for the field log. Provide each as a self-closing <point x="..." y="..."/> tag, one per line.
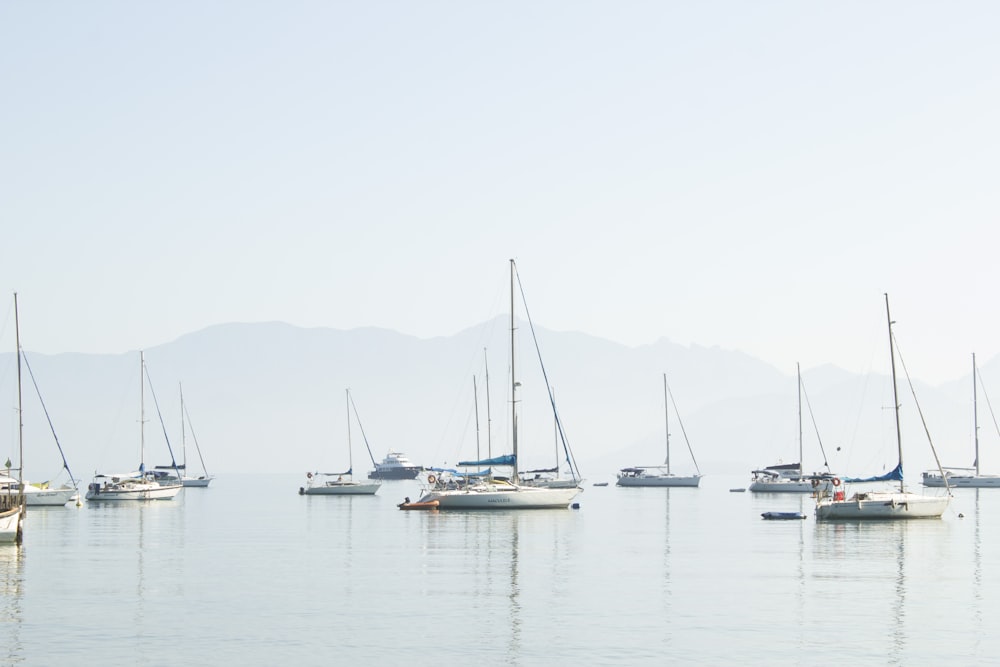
<point x="600" y="483"/>
<point x="408" y="505"/>
<point x="737" y="490"/>
<point x="783" y="516"/>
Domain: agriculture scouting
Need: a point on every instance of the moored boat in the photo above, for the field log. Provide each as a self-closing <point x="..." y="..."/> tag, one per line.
<point x="324" y="484"/>
<point x="395" y="465"/>
<point x="662" y="475"/>
<point x="141" y="484"/>
<point x="967" y="478"/>
<point x="491" y="492"/>
<point x="880" y="504"/>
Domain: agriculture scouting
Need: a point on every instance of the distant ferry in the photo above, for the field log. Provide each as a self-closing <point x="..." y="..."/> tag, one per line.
<point x="395" y="465"/>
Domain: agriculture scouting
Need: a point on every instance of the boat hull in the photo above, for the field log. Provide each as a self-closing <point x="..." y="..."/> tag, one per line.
<point x="396" y="473"/>
<point x="512" y="498"/>
<point x="661" y="480"/>
<point x="963" y="481"/>
<point x="50" y="497"/>
<point x="340" y="489"/>
<point x="553" y="483"/>
<point x="132" y="492"/>
<point x="883" y="505"/>
<point x="782" y="516"/>
<point x="10" y="525"/>
<point x="196" y="482"/>
<point x="787" y="486"/>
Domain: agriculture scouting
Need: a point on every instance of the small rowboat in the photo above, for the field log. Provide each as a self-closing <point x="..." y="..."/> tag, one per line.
<point x="429" y="505"/>
<point x="783" y="516"/>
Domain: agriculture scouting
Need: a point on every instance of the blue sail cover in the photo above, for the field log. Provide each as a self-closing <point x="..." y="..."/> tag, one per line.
<point x="505" y="460"/>
<point x="894" y="475"/>
<point x="458" y="473"/>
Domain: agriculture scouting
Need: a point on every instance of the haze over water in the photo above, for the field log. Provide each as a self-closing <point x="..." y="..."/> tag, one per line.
<point x="252" y="573"/>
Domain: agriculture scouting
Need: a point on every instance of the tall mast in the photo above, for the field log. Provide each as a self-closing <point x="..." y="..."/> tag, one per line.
<point x="489" y="421"/>
<point x="350" y="455"/>
<point x="475" y="400"/>
<point x="798" y="375"/>
<point x="142" y="414"/>
<point x="513" y="381"/>
<point x="895" y="395"/>
<point x="666" y="420"/>
<point x="184" y="458"/>
<point x="975" y="413"/>
<point x="20" y="418"/>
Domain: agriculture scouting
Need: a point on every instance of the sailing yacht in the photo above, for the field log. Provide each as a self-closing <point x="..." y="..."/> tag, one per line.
<point x="968" y="478"/>
<point x="46" y="494"/>
<point x="662" y="475"/>
<point x="555" y="477"/>
<point x="173" y="473"/>
<point x="136" y="485"/>
<point x="788" y="477"/>
<point x="12" y="499"/>
<point x="340" y="483"/>
<point x="899" y="504"/>
<point x="493" y="492"/>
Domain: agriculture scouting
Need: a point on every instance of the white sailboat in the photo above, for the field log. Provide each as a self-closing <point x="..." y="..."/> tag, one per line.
<point x="169" y="473"/>
<point x="788" y="477"/>
<point x="494" y="492"/>
<point x="662" y="475"/>
<point x="967" y="478"/>
<point x="140" y="484"/>
<point x="341" y="483"/>
<point x="899" y="504"/>
<point x="555" y="477"/>
<point x="12" y="499"/>
<point x="46" y="494"/>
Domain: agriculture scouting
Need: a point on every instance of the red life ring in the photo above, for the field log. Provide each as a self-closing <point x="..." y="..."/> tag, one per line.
<point x="431" y="479"/>
<point x="836" y="481"/>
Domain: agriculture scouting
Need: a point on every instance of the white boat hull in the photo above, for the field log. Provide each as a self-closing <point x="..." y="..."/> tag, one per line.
<point x="661" y="480"/>
<point x="198" y="482"/>
<point x="503" y="498"/>
<point x="49" y="497"/>
<point x="340" y="489"/>
<point x="787" y="486"/>
<point x="963" y="481"/>
<point x="10" y="522"/>
<point x="883" y="505"/>
<point x="132" y="491"/>
<point x="553" y="483"/>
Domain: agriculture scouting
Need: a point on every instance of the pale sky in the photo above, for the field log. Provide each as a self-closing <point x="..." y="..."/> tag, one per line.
<point x="746" y="175"/>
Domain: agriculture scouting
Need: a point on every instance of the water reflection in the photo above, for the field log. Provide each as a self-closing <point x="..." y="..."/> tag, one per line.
<point x="11" y="603"/>
<point x="977" y="573"/>
<point x="486" y="548"/>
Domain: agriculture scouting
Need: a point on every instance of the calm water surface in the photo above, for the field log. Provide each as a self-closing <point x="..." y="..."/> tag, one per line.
<point x="250" y="572"/>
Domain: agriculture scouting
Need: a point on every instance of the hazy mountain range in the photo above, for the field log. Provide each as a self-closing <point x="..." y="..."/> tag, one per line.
<point x="271" y="396"/>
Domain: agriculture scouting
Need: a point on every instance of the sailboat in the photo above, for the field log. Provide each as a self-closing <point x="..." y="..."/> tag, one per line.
<point x="970" y="478"/>
<point x="136" y="485"/>
<point x="169" y="473"/>
<point x="341" y="483"/>
<point x="788" y="477"/>
<point x="553" y="478"/>
<point x="662" y="475"/>
<point x="493" y="492"/>
<point x="45" y="494"/>
<point x="12" y="499"/>
<point x="899" y="504"/>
